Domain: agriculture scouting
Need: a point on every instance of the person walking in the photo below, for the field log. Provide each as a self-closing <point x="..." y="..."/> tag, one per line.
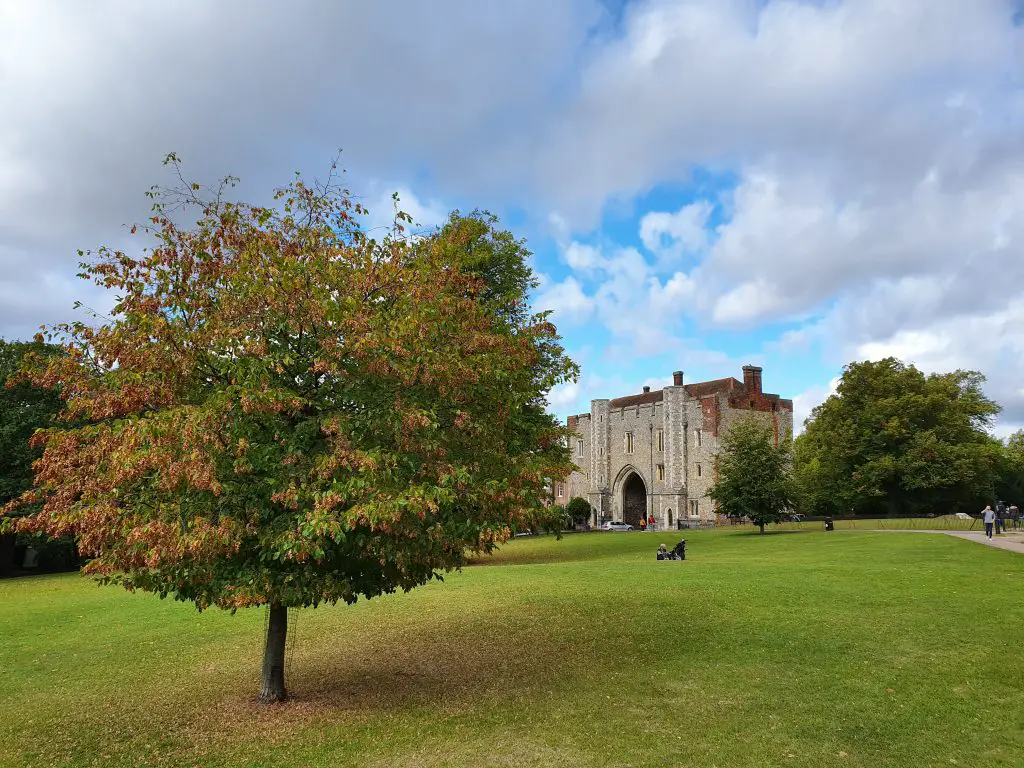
<point x="650" y="523"/>
<point x="989" y="516"/>
<point x="1000" y="517"/>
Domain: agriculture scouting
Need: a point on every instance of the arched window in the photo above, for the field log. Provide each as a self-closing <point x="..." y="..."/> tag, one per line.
<point x="670" y="516"/>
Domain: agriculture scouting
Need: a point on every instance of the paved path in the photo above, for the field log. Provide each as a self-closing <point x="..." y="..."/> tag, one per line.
<point x="1013" y="541"/>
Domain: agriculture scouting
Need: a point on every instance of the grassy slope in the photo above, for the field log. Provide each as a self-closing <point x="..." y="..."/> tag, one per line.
<point x="802" y="649"/>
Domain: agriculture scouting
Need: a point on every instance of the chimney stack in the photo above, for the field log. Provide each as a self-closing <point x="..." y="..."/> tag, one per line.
<point x="646" y="390"/>
<point x="677" y="378"/>
<point x="752" y="378"/>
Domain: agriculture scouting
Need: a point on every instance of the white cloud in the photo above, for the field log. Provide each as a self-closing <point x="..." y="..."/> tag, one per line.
<point x="672" y="235"/>
<point x="859" y="89"/>
<point x="810" y="399"/>
<point x="425" y="214"/>
<point x="582" y="257"/>
<point x="567" y="301"/>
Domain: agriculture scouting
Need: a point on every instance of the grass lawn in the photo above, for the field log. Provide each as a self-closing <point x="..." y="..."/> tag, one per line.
<point x="792" y="649"/>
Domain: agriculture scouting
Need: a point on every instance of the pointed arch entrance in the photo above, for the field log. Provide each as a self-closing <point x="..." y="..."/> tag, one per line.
<point x="634" y="500"/>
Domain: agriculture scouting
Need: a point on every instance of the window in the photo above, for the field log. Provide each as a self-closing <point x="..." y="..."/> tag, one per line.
<point x="670" y="516"/>
<point x="694" y="508"/>
<point x="698" y="471"/>
<point x="661" y="440"/>
<point x="697" y="437"/>
<point x="561" y="489"/>
<point x="579" y="447"/>
<point x="661" y="472"/>
<point x="629" y="442"/>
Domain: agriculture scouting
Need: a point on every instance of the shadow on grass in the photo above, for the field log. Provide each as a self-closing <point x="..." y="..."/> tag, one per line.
<point x="452" y="664"/>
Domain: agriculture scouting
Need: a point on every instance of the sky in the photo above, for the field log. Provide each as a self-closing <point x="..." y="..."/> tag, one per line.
<point x="795" y="184"/>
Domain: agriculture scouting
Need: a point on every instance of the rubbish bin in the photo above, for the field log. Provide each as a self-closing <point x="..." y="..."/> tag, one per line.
<point x="829" y="525"/>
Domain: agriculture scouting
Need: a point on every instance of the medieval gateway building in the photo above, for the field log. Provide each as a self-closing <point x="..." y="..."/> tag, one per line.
<point x="654" y="453"/>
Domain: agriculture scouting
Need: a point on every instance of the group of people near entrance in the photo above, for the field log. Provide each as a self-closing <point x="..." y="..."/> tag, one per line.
<point x="1000" y="517"/>
<point x="646" y="524"/>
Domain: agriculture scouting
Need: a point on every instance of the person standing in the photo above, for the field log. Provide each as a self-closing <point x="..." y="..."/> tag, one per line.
<point x="650" y="522"/>
<point x="1000" y="517"/>
<point x="989" y="516"/>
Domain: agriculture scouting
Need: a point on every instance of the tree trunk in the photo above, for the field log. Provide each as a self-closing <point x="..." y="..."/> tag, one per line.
<point x="272" y="684"/>
<point x="762" y="527"/>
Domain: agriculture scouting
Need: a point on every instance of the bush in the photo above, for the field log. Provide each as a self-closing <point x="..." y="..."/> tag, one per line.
<point x="579" y="510"/>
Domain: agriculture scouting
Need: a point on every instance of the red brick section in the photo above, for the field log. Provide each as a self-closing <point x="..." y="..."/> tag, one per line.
<point x="704" y="388"/>
<point x="572" y="421"/>
<point x="641" y="399"/>
<point x="710" y="412"/>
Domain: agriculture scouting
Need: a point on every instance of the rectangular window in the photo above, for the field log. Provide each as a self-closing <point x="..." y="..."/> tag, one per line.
<point x="579" y="447"/>
<point x="661" y="440"/>
<point x="697" y="437"/>
<point x="629" y="442"/>
<point x="561" y="490"/>
<point x="698" y="470"/>
<point x="661" y="472"/>
<point x="694" y="508"/>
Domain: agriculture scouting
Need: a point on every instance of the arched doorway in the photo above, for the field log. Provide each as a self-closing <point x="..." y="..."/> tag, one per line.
<point x="634" y="500"/>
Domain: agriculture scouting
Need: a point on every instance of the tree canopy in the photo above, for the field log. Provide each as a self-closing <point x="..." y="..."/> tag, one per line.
<point x="753" y="473"/>
<point x="893" y="439"/>
<point x="1010" y="485"/>
<point x="282" y="411"/>
<point x="579" y="510"/>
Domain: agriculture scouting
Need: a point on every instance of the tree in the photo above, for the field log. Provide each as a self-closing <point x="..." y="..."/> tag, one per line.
<point x="282" y="411"/>
<point x="579" y="510"/>
<point x="1010" y="485"/>
<point x="895" y="439"/>
<point x="753" y="473"/>
<point x="23" y="409"/>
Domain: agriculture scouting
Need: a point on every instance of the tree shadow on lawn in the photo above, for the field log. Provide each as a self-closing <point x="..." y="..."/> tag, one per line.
<point x="448" y="666"/>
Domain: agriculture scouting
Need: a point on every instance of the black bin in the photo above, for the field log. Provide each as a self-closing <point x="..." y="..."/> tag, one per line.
<point x="829" y="525"/>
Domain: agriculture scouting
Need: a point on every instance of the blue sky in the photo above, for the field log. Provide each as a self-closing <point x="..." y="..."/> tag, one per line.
<point x="704" y="183"/>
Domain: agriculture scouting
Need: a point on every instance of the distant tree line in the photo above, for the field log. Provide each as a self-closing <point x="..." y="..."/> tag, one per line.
<point x="24" y="408"/>
<point x="897" y="441"/>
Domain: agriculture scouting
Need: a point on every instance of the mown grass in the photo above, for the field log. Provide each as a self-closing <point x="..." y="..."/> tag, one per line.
<point x="806" y="649"/>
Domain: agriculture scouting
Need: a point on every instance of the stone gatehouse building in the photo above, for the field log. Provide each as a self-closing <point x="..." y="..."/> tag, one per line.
<point x="654" y="453"/>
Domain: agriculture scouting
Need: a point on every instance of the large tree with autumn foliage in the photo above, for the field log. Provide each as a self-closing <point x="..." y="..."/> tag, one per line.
<point x="282" y="411"/>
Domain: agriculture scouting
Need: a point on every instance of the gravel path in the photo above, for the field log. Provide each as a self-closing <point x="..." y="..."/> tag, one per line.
<point x="1013" y="541"/>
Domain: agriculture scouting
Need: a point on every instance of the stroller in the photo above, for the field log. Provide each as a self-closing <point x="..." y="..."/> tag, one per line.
<point x="678" y="552"/>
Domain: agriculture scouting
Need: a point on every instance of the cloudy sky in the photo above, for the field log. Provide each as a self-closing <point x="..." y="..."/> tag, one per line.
<point x="704" y="183"/>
